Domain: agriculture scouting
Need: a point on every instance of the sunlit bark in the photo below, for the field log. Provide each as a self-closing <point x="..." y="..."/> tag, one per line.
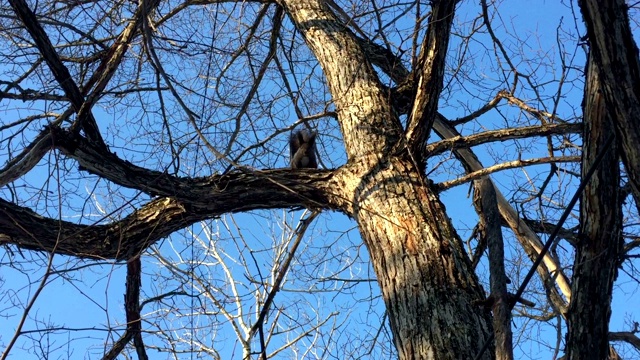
<point x="426" y="279"/>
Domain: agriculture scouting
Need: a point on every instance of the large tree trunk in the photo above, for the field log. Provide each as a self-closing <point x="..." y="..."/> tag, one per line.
<point x="427" y="282"/>
<point x="615" y="58"/>
<point x="597" y="253"/>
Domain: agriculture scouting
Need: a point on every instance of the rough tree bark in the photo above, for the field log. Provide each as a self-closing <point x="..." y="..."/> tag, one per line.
<point x="612" y="100"/>
<point x="429" y="287"/>
<point x="600" y="239"/>
<point x="428" y="284"/>
<point x="426" y="279"/>
<point x="615" y="57"/>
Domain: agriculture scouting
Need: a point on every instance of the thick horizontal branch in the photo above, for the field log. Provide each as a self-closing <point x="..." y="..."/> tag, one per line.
<point x="32" y="95"/>
<point x="182" y="202"/>
<point x="101" y="162"/>
<point x="501" y="135"/>
<point x="629" y="337"/>
<point x="211" y="197"/>
<point x="194" y="191"/>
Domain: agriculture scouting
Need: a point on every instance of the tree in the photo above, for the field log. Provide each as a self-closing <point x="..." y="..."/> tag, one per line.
<point x="179" y="112"/>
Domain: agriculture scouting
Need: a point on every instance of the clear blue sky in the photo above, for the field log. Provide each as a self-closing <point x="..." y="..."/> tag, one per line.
<point x="92" y="297"/>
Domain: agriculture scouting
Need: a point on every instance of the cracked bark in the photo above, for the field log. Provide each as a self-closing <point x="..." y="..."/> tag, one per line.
<point x="615" y="58"/>
<point x="600" y="237"/>
<point x="426" y="279"/>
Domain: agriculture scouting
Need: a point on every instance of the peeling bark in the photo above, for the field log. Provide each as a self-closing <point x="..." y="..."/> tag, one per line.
<point x="429" y="75"/>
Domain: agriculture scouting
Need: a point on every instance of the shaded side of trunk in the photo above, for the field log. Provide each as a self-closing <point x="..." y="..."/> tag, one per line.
<point x="430" y="290"/>
<point x="615" y="57"/>
<point x="596" y="263"/>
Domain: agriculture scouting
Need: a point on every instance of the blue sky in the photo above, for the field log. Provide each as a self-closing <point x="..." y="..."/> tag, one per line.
<point x="89" y="298"/>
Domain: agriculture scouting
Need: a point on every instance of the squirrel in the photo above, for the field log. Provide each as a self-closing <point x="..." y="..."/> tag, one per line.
<point x="302" y="145"/>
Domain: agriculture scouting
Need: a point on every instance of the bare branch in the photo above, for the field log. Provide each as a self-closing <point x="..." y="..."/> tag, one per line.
<point x="504" y="166"/>
<point x="486" y="204"/>
<point x="501" y="135"/>
<point x="59" y="70"/>
<point x="132" y="307"/>
<point x="28" y="307"/>
<point x="551" y="271"/>
<point x="27" y="159"/>
<point x="628" y="337"/>
<point x="429" y="76"/>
